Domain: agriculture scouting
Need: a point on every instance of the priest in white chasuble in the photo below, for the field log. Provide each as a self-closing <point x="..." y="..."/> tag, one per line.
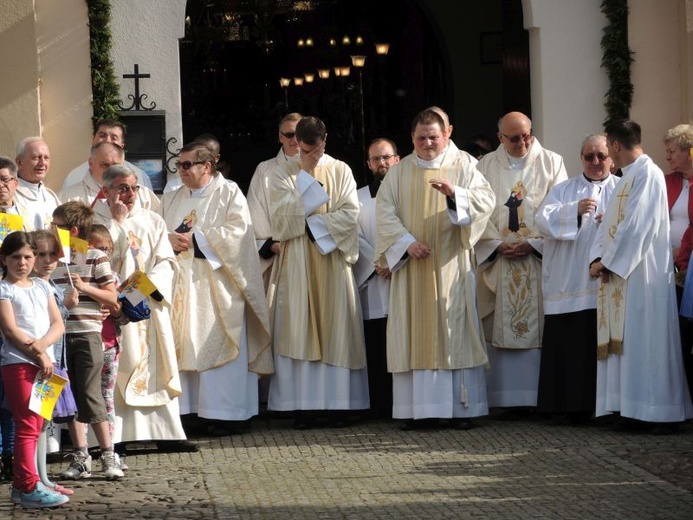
<point x="568" y="220"/>
<point x="148" y="384"/>
<point x="521" y="173"/>
<point x="640" y="370"/>
<point x="320" y="356"/>
<point x="432" y="207"/>
<point x="220" y="320"/>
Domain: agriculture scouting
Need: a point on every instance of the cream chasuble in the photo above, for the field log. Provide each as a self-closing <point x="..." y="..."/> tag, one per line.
<point x="210" y="305"/>
<point x="259" y="207"/>
<point x="148" y="382"/>
<point x="433" y="322"/>
<point x="314" y="295"/>
<point x="148" y="371"/>
<point x="510" y="290"/>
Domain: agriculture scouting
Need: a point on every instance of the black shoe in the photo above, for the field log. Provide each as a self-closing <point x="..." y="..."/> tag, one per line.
<point x="181" y="446"/>
<point x="625" y="424"/>
<point x="460" y="423"/>
<point x="338" y="419"/>
<point x="221" y="429"/>
<point x="665" y="428"/>
<point x="420" y="424"/>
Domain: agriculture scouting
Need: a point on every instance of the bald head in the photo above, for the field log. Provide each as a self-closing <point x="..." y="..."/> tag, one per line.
<point x="515" y="133"/>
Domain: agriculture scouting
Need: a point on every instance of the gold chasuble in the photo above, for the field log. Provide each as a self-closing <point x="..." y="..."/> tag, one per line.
<point x="433" y="322"/>
<point x="313" y="297"/>
<point x="211" y="307"/>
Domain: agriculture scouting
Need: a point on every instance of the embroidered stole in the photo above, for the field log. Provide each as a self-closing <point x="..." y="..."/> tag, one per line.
<point x="611" y="300"/>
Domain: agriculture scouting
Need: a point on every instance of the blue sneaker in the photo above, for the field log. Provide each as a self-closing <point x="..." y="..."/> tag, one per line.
<point x="42" y="497"/>
<point x="15" y="495"/>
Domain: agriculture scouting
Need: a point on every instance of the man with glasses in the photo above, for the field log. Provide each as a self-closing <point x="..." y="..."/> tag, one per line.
<point x="8" y="187"/>
<point x="33" y="164"/>
<point x="568" y="220"/>
<point x="374" y="281"/>
<point x="259" y="193"/>
<point x="148" y="384"/>
<point x="219" y="309"/>
<point x="89" y="190"/>
<point x="521" y="173"/>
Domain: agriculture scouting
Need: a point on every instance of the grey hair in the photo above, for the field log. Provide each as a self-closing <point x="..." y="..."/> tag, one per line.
<point x="591" y="137"/>
<point x="21" y="147"/>
<point x="8" y="164"/>
<point x="114" y="172"/>
<point x="681" y="135"/>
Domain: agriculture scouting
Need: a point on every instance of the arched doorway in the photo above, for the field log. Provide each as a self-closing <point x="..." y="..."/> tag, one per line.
<point x="236" y="51"/>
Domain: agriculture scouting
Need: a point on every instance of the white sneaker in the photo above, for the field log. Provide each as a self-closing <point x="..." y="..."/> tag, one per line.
<point x="121" y="463"/>
<point x="80" y="467"/>
<point x="109" y="466"/>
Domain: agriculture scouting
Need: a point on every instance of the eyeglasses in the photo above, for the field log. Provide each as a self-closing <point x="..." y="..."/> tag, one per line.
<point x="7" y="180"/>
<point x="517" y="138"/>
<point x="61" y="226"/>
<point x="188" y="164"/>
<point x="288" y="135"/>
<point x="125" y="188"/>
<point x="378" y="158"/>
<point x="589" y="157"/>
<point x="105" y="249"/>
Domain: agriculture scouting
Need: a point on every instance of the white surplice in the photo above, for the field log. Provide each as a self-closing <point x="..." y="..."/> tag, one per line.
<point x="510" y="300"/>
<point x="437" y="358"/>
<point x="566" y="283"/>
<point x="373" y="289"/>
<point x="647" y="382"/>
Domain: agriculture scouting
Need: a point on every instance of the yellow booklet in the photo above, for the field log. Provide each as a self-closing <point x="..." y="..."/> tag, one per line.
<point x="45" y="393"/>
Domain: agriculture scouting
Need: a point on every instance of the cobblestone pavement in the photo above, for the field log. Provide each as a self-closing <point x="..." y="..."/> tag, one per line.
<point x="502" y="470"/>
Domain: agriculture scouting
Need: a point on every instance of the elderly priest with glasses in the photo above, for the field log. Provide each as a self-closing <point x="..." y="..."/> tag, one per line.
<point x="521" y="173"/>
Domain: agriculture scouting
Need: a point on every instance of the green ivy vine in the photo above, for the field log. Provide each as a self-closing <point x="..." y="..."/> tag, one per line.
<point x="105" y="90"/>
<point x="617" y="59"/>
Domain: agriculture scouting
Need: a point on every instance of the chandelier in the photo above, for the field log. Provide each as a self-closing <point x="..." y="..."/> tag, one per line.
<point x="242" y="21"/>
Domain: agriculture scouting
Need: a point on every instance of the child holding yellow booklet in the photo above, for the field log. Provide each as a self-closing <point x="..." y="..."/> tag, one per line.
<point x="30" y="322"/>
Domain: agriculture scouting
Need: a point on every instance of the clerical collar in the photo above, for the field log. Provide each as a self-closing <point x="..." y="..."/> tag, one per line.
<point x="433" y="164"/>
<point x="288" y="157"/>
<point x="594" y="181"/>
<point x="517" y="163"/>
<point x="36" y="187"/>
<point x="199" y="192"/>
